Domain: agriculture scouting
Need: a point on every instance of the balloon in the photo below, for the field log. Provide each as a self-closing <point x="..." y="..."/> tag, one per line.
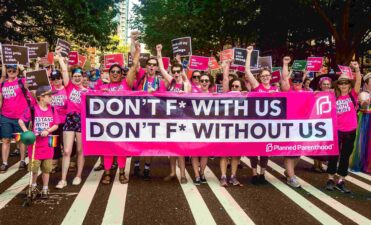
<point x="28" y="138"/>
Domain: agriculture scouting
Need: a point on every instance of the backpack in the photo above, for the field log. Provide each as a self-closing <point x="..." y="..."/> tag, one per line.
<point x="24" y="90"/>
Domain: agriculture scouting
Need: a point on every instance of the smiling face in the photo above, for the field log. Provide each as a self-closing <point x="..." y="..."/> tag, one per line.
<point x="77" y="78"/>
<point x="325" y="85"/>
<point x="115" y="74"/>
<point x="151" y="67"/>
<point x="176" y="72"/>
<point x="56" y="81"/>
<point x="12" y="73"/>
<point x="297" y="84"/>
<point x="196" y="77"/>
<point x="344" y="86"/>
<point x="236" y="86"/>
<point x="205" y="83"/>
<point x="265" y="77"/>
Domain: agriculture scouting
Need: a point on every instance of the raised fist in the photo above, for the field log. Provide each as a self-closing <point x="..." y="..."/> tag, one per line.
<point x="286" y="60"/>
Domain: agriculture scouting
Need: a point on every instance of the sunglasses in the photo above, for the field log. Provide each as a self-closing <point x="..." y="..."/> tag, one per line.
<point x="55" y="78"/>
<point x="297" y="81"/>
<point x="344" y="83"/>
<point x="151" y="64"/>
<point x="196" y="77"/>
<point x="176" y="71"/>
<point x="11" y="71"/>
<point x="115" y="72"/>
<point x="235" y="86"/>
<point x="204" y="81"/>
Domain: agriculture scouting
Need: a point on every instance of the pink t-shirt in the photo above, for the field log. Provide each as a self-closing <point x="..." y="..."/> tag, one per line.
<point x="261" y="88"/>
<point x="14" y="102"/>
<point x="43" y="120"/>
<point x="151" y="81"/>
<point x="176" y="87"/>
<point x="74" y="97"/>
<point x="121" y="86"/>
<point x="59" y="102"/>
<point x="346" y="113"/>
<point x="195" y="89"/>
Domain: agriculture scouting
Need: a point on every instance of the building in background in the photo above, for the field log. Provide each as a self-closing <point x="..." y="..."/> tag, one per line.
<point x="123" y="27"/>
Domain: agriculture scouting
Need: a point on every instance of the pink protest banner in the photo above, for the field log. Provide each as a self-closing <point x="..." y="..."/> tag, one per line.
<point x="346" y="70"/>
<point x="229" y="124"/>
<point x="198" y="63"/>
<point x="73" y="58"/>
<point x="166" y="62"/>
<point x="111" y="59"/>
<point x="237" y="68"/>
<point x="82" y="60"/>
<point x="276" y="76"/>
<point x="213" y="64"/>
<point x="314" y="64"/>
<point x="226" y="55"/>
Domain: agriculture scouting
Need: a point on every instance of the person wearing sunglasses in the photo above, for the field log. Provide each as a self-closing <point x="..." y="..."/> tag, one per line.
<point x="235" y="85"/>
<point x="176" y="82"/>
<point x="346" y="91"/>
<point x="195" y="81"/>
<point x="13" y="102"/>
<point x="261" y="84"/>
<point x="72" y="126"/>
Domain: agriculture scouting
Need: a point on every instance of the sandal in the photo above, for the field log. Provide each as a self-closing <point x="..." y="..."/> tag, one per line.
<point x="106" y="178"/>
<point x="123" y="179"/>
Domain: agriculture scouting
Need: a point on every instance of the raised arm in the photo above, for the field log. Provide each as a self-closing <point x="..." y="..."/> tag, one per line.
<point x="3" y="73"/>
<point x="63" y="65"/>
<point x="133" y="70"/>
<point x="225" y="66"/>
<point x="357" y="85"/>
<point x="254" y="83"/>
<point x="164" y="73"/>
<point x="285" y="79"/>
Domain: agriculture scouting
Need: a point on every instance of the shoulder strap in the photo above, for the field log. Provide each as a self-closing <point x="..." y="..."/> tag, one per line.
<point x="139" y="82"/>
<point x="2" y="84"/>
<point x="32" y="112"/>
<point x="172" y="85"/>
<point x="24" y="91"/>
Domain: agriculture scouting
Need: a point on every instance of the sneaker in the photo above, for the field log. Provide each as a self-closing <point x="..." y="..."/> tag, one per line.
<point x="76" y="181"/>
<point x="183" y="180"/>
<point x="136" y="171"/>
<point x="146" y="175"/>
<point x="4" y="168"/>
<point x="341" y="187"/>
<point x="16" y="152"/>
<point x="99" y="168"/>
<point x="262" y="179"/>
<point x="61" y="184"/>
<point x="197" y="181"/>
<point x="293" y="182"/>
<point x="223" y="182"/>
<point x="22" y="165"/>
<point x="255" y="180"/>
<point x="330" y="185"/>
<point x="44" y="194"/>
<point x="203" y="179"/>
<point x="234" y="181"/>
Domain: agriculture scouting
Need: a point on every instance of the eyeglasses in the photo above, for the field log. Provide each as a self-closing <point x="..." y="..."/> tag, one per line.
<point x="176" y="71"/>
<point x="11" y="71"/>
<point x="78" y="76"/>
<point x="235" y="86"/>
<point x="115" y="71"/>
<point x="55" y="78"/>
<point x="297" y="81"/>
<point x="151" y="64"/>
<point x="261" y="76"/>
<point x="204" y="81"/>
<point x="344" y="83"/>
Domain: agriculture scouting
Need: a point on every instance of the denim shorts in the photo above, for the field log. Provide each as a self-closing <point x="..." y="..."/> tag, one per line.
<point x="9" y="127"/>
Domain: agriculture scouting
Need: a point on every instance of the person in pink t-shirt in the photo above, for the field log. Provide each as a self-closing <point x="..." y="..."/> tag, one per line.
<point x="45" y="121"/>
<point x="13" y="102"/>
<point x="262" y="84"/>
<point x="195" y="81"/>
<point x="117" y="83"/>
<point x="346" y="91"/>
<point x="72" y="126"/>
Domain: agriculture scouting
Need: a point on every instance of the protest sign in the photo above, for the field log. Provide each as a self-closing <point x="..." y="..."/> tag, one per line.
<point x="265" y="62"/>
<point x="65" y="45"/>
<point x="166" y="62"/>
<point x="226" y="55"/>
<point x="276" y="76"/>
<point x="199" y="124"/>
<point x="73" y="58"/>
<point x="314" y="64"/>
<point x="37" y="78"/>
<point x="182" y="46"/>
<point x="37" y="49"/>
<point x="130" y="60"/>
<point x="239" y="57"/>
<point x="299" y="65"/>
<point x="14" y="54"/>
<point x="199" y="63"/>
<point x="347" y="71"/>
<point x="213" y="64"/>
<point x="82" y="60"/>
<point x="111" y="59"/>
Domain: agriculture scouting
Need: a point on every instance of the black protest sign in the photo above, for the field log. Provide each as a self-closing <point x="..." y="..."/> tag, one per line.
<point x="143" y="59"/>
<point x="130" y="60"/>
<point x="37" y="49"/>
<point x="182" y="46"/>
<point x="14" y="54"/>
<point x="66" y="47"/>
<point x="240" y="55"/>
<point x="36" y="79"/>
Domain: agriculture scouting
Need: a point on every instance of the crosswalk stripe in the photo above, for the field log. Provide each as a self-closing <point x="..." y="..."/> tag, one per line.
<point x="200" y="212"/>
<point x="11" y="170"/>
<point x="359" y="183"/>
<point x="115" y="209"/>
<point x="230" y="205"/>
<point x="363" y="175"/>
<point x="80" y="206"/>
<point x="346" y="211"/>
<point x="309" y="207"/>
<point x="14" y="190"/>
